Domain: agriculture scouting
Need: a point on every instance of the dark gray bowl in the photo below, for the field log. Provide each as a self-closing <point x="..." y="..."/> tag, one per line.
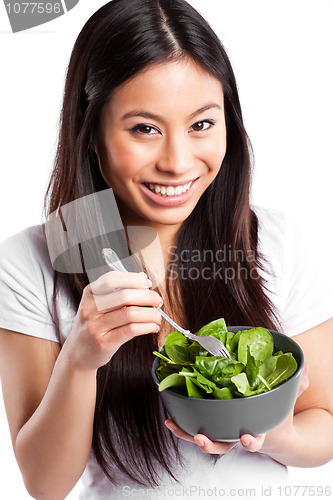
<point x="228" y="419"/>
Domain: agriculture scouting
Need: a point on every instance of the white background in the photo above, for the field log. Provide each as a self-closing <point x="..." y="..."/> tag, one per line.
<point x="281" y="52"/>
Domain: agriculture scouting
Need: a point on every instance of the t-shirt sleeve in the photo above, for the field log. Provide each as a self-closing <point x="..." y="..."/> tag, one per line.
<point x="308" y="278"/>
<point x="24" y="289"/>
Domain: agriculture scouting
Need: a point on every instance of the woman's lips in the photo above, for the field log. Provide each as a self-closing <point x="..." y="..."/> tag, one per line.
<point x="169" y="201"/>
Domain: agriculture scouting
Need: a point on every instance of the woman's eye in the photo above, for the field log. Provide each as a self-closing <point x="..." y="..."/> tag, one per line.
<point x="201" y="126"/>
<point x="145" y="129"/>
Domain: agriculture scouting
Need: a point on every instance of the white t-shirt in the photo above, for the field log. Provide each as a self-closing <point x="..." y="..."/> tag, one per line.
<point x="300" y="290"/>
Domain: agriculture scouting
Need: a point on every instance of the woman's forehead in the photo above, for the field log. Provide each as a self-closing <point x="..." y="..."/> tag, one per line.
<point x="176" y="85"/>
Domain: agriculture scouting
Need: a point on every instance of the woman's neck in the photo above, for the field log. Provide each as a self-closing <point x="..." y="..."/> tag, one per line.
<point x="166" y="233"/>
<point x="155" y="244"/>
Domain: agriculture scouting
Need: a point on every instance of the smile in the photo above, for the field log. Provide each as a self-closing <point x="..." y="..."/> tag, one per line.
<point x="166" y="195"/>
<point x="165" y="190"/>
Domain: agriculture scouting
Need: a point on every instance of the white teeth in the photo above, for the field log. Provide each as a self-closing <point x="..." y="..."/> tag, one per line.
<point x="169" y="190"/>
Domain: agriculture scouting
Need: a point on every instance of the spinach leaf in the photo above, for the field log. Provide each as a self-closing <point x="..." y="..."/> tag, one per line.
<point x="216" y="328"/>
<point x="175" y="338"/>
<point x="229" y="340"/>
<point x="192" y="389"/>
<point x="242" y="384"/>
<point x="163" y="358"/>
<point x="234" y="342"/>
<point x="252" y="370"/>
<point x="217" y="368"/>
<point x="224" y="393"/>
<point x="175" y="382"/>
<point x="178" y="353"/>
<point x="286" y="366"/>
<point x="204" y="381"/>
<point x="206" y="364"/>
<point x="268" y="366"/>
<point x="175" y="347"/>
<point x="166" y="369"/>
<point x="196" y="350"/>
<point x="260" y="342"/>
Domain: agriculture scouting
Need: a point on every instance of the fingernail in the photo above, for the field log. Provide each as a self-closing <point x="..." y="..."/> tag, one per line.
<point x="170" y="427"/>
<point x="200" y="443"/>
<point x="149" y="283"/>
<point x="245" y="442"/>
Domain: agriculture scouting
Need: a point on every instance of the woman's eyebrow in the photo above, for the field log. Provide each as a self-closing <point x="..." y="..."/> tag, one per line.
<point x="152" y="116"/>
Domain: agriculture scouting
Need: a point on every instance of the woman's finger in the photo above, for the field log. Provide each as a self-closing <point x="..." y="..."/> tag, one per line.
<point x="204" y="443"/>
<point x="213" y="447"/>
<point x="252" y="443"/>
<point x="127" y="297"/>
<point x="112" y="280"/>
<point x="304" y="380"/>
<point x="177" y="431"/>
<point x="125" y="315"/>
<point x="121" y="335"/>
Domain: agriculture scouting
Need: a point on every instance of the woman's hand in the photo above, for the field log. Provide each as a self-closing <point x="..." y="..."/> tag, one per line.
<point x="265" y="443"/>
<point x="113" y="309"/>
<point x="205" y="444"/>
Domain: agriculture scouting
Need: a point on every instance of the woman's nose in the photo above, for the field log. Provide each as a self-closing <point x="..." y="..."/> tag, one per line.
<point x="176" y="156"/>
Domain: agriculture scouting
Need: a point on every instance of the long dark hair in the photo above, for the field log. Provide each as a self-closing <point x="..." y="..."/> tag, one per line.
<point x="118" y="41"/>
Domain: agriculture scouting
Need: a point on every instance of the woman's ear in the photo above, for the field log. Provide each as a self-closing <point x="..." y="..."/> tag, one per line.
<point x="95" y="152"/>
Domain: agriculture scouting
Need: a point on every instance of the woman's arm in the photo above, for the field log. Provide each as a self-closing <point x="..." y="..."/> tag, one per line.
<point x="50" y="409"/>
<point x="50" y="392"/>
<point x="305" y="438"/>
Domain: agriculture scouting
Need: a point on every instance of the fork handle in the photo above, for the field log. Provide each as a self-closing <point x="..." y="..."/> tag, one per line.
<point x="186" y="333"/>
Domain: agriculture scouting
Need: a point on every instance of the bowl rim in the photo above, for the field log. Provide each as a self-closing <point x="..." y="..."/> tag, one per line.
<point x="297" y="373"/>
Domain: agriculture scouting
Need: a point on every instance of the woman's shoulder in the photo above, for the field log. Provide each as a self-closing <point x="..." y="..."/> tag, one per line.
<point x="278" y="232"/>
<point x="271" y="222"/>
<point x="27" y="287"/>
<point x="32" y="236"/>
<point x="25" y="249"/>
<point x="276" y="250"/>
<point x="301" y="291"/>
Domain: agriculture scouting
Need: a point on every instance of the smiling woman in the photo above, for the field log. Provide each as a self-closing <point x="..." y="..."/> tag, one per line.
<point x="169" y="159"/>
<point x="151" y="111"/>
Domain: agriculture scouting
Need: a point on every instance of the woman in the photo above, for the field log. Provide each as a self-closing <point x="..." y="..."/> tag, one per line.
<point x="150" y="104"/>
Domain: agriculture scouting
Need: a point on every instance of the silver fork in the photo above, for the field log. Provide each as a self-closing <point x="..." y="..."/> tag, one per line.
<point x="210" y="344"/>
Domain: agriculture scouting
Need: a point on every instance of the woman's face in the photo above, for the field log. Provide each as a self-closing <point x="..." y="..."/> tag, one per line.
<point x="162" y="142"/>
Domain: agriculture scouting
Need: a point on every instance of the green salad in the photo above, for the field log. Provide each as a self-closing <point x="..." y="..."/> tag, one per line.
<point x="186" y="368"/>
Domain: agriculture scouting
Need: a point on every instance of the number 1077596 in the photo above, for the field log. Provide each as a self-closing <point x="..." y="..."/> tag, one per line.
<point x="304" y="491"/>
<point x="34" y="8"/>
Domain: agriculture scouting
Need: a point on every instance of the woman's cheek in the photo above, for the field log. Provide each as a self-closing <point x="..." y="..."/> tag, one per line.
<point x="212" y="154"/>
<point x="129" y="161"/>
<point x="220" y="147"/>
